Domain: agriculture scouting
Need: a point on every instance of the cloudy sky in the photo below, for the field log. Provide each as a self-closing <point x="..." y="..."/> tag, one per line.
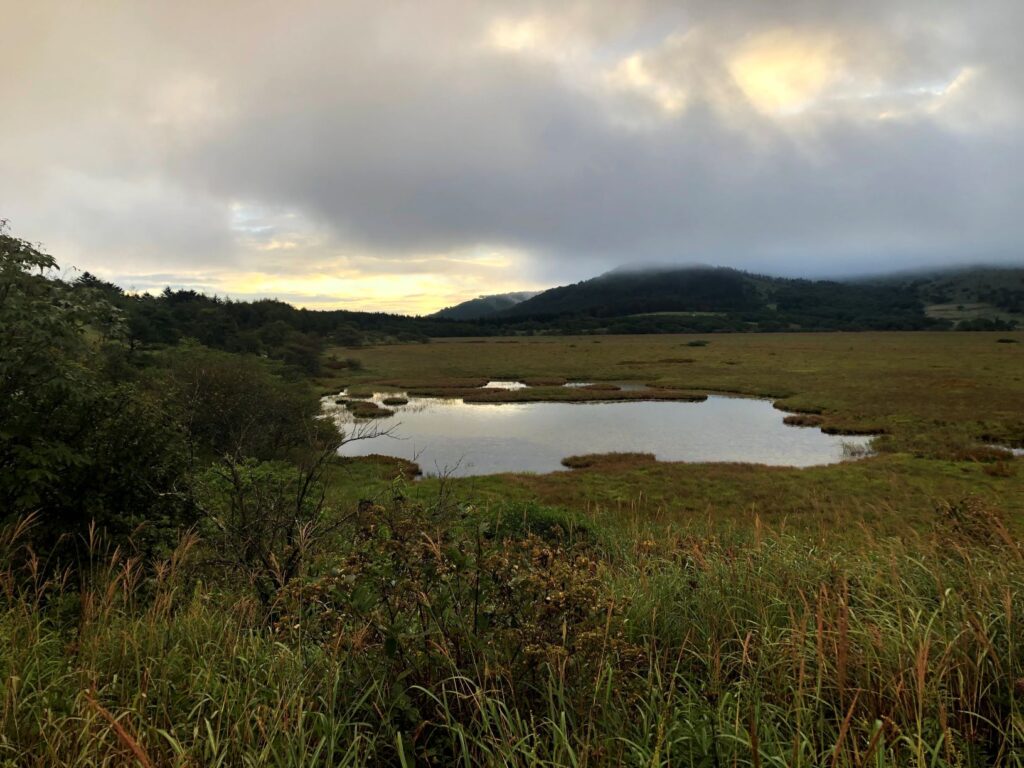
<point x="408" y="155"/>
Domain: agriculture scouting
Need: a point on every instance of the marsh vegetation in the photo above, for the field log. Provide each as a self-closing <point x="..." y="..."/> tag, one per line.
<point x="191" y="575"/>
<point x="468" y="435"/>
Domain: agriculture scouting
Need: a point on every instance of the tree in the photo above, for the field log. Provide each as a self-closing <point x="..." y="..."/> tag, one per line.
<point x="236" y="405"/>
<point x="264" y="519"/>
<point x="43" y="370"/>
<point x="76" y="446"/>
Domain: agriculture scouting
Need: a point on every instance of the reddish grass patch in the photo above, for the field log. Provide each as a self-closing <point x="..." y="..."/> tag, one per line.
<point x="803" y="420"/>
<point x="365" y="410"/>
<point x="543" y="381"/>
<point x="608" y="461"/>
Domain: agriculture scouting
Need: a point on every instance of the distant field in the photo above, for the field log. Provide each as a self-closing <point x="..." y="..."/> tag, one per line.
<point x="968" y="311"/>
<point x="938" y="397"/>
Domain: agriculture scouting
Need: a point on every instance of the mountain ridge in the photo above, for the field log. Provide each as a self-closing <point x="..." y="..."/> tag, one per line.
<point x="482" y="306"/>
<point x="959" y="297"/>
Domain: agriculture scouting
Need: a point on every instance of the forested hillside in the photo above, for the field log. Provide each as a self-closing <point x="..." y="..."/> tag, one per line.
<point x="484" y="306"/>
<point x="730" y="299"/>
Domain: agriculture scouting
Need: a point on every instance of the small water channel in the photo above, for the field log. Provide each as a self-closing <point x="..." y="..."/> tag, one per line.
<point x="461" y="439"/>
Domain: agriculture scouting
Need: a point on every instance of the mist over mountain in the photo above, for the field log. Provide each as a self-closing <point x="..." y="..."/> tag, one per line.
<point x="629" y="291"/>
<point x="626" y="301"/>
<point x="663" y="298"/>
<point x="483" y="306"/>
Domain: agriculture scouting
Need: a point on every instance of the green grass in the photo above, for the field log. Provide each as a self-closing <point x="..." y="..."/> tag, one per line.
<point x="626" y="612"/>
<point x="638" y="644"/>
<point x="939" y="397"/>
<point x="934" y="393"/>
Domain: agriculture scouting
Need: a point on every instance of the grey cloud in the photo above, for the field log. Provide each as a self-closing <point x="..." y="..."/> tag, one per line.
<point x="394" y="131"/>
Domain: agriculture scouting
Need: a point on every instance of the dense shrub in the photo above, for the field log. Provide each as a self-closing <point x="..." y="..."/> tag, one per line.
<point x="236" y="405"/>
<point x="445" y="635"/>
<point x="78" y="443"/>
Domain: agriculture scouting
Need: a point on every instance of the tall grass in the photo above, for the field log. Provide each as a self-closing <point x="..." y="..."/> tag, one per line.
<point x="650" y="647"/>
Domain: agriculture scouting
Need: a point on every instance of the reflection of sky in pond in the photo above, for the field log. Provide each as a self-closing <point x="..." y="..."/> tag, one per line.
<point x="478" y="439"/>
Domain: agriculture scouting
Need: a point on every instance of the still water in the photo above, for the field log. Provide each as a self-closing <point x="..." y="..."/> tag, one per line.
<point x="479" y="439"/>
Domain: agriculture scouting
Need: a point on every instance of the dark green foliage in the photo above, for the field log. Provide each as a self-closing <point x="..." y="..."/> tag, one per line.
<point x="664" y="300"/>
<point x="263" y="520"/>
<point x="95" y="433"/>
<point x="236" y="405"/>
<point x="850" y="306"/>
<point x="703" y="299"/>
<point x="986" y="324"/>
<point x="483" y="306"/>
<point x="623" y="292"/>
<point x="265" y="327"/>
<point x="79" y="441"/>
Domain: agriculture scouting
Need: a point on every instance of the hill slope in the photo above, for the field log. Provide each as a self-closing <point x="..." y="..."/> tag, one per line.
<point x="972" y="296"/>
<point x="626" y="292"/>
<point x="483" y="306"/>
<point x="729" y="299"/>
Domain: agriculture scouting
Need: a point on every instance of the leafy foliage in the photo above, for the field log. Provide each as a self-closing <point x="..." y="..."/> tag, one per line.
<point x="95" y="433"/>
<point x="264" y="519"/>
<point x="236" y="405"/>
<point x="75" y="445"/>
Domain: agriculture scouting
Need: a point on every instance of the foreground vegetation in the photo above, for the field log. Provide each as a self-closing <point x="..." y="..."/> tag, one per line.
<point x="190" y="576"/>
<point x="449" y="635"/>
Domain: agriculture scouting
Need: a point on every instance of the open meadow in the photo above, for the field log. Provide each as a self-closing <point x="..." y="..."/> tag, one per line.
<point x="317" y="610"/>
<point x="938" y="400"/>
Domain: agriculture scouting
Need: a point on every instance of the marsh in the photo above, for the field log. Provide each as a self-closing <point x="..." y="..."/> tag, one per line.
<point x="449" y="436"/>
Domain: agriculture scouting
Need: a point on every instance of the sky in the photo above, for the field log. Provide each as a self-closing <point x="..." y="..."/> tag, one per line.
<point x="405" y="156"/>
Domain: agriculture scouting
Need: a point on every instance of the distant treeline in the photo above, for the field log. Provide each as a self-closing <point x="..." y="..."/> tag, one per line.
<point x="298" y="337"/>
<point x="265" y="327"/>
<point x="708" y="299"/>
<point x="692" y="300"/>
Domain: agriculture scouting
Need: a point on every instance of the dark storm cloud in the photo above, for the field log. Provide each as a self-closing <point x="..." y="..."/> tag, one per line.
<point x="804" y="138"/>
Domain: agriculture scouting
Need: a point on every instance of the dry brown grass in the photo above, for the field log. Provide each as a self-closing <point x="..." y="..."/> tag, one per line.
<point x="803" y="420"/>
<point x="608" y="461"/>
<point x="932" y="392"/>
<point x="367" y="410"/>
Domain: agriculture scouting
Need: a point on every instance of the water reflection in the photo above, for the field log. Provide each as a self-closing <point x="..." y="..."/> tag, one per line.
<point x="502" y="384"/>
<point x="478" y="439"/>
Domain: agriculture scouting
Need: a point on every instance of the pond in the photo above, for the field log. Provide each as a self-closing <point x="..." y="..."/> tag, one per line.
<point x="461" y="439"/>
